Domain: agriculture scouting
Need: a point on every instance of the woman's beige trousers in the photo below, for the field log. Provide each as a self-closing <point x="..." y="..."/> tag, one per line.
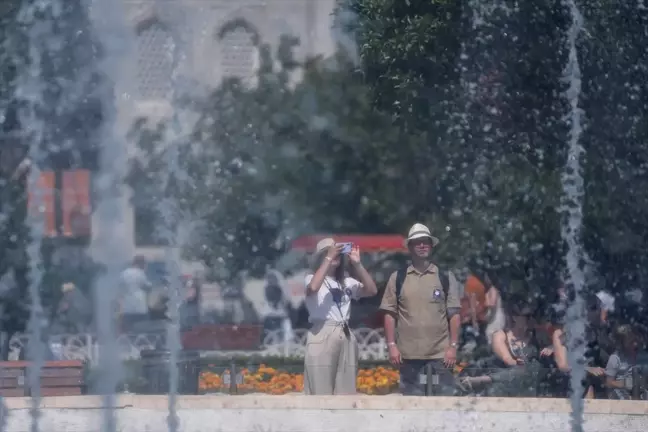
<point x="331" y="362"/>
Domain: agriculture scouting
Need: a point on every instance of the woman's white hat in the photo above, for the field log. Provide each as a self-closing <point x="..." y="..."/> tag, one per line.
<point x="321" y="247"/>
<point x="419" y="230"/>
<point x="324" y="244"/>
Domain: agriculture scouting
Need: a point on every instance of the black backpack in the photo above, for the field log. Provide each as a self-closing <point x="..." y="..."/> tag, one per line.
<point x="400" y="279"/>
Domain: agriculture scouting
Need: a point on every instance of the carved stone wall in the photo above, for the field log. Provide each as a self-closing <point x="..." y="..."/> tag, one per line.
<point x="211" y="43"/>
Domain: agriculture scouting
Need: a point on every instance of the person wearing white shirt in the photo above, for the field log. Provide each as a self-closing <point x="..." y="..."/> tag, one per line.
<point x="135" y="288"/>
<point x="607" y="304"/>
<point x="331" y="361"/>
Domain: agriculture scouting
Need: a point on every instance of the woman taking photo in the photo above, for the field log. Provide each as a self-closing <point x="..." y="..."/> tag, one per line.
<point x="331" y="361"/>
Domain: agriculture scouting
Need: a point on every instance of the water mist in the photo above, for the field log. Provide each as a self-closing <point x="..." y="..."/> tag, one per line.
<point x="116" y="40"/>
<point x="37" y="20"/>
<point x="573" y="190"/>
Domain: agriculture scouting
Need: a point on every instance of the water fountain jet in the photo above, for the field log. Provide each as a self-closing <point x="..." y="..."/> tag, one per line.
<point x="116" y="40"/>
<point x="37" y="19"/>
<point x="572" y="207"/>
<point x="176" y="224"/>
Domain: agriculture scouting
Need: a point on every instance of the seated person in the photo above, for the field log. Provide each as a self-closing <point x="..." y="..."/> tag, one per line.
<point x="495" y="314"/>
<point x="515" y="366"/>
<point x="595" y="351"/>
<point x="620" y="365"/>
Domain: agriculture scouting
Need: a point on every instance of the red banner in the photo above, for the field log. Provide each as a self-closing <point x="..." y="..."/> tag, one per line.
<point x="366" y="242"/>
<point x="41" y="199"/>
<point x="75" y="203"/>
<point x="71" y="196"/>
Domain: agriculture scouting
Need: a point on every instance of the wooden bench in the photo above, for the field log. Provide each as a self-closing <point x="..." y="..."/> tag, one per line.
<point x="57" y="378"/>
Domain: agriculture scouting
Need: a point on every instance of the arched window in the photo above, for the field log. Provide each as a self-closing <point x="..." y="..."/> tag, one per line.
<point x="238" y="53"/>
<point x="154" y="62"/>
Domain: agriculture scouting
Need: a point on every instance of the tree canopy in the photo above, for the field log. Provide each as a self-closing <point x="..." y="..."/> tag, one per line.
<point x="456" y="116"/>
<point x="49" y="103"/>
<point x="505" y="62"/>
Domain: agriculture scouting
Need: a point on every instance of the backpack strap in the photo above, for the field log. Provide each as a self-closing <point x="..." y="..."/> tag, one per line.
<point x="400" y="280"/>
<point x="445" y="282"/>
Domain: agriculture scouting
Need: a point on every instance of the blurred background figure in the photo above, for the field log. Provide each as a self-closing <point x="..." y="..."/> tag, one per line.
<point x="598" y="347"/>
<point x="190" y="308"/>
<point x="133" y="299"/>
<point x="607" y="304"/>
<point x="495" y="316"/>
<point x="74" y="311"/>
<point x="473" y="313"/>
<point x="620" y="365"/>
<point x="237" y="308"/>
<point x="277" y="311"/>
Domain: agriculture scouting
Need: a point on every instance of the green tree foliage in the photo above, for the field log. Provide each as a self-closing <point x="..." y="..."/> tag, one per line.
<point x="227" y="195"/>
<point x="455" y="116"/>
<point x="70" y="101"/>
<point x="451" y="65"/>
<point x="13" y="232"/>
<point x="505" y="63"/>
<point x="302" y="150"/>
<point x="68" y="110"/>
<point x="615" y="70"/>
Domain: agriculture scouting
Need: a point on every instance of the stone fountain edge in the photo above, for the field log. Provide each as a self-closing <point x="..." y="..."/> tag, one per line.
<point x="354" y="402"/>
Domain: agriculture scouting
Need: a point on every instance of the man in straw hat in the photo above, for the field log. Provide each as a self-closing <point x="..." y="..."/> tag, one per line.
<point x="421" y="317"/>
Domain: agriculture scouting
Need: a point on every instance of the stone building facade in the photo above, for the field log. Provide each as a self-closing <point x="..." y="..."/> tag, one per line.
<point x="212" y="47"/>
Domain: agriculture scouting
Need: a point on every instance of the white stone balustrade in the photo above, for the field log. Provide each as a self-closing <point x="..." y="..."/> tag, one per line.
<point x="83" y="346"/>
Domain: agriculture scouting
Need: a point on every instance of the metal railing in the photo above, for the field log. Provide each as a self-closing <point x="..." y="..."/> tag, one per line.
<point x="234" y="377"/>
<point x="371" y="345"/>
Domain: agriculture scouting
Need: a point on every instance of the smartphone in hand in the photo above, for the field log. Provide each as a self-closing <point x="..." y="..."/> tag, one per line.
<point x="346" y="247"/>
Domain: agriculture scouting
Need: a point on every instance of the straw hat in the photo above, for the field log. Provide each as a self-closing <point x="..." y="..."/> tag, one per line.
<point x="419" y="230"/>
<point x="321" y="248"/>
<point x="323" y="245"/>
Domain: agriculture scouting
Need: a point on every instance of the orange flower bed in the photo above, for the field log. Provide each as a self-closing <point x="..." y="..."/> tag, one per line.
<point x="379" y="380"/>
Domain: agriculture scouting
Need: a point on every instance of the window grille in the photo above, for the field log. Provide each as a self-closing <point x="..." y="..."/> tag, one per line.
<point x="154" y="62"/>
<point x="238" y="55"/>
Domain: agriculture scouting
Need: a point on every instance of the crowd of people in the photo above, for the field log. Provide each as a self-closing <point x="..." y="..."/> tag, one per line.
<point x="511" y="353"/>
<point x="141" y="304"/>
<point x="479" y="341"/>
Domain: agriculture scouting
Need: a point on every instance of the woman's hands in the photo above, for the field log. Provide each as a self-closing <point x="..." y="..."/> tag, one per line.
<point x="596" y="371"/>
<point x="547" y="352"/>
<point x="334" y="251"/>
<point x="368" y="287"/>
<point x="354" y="255"/>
